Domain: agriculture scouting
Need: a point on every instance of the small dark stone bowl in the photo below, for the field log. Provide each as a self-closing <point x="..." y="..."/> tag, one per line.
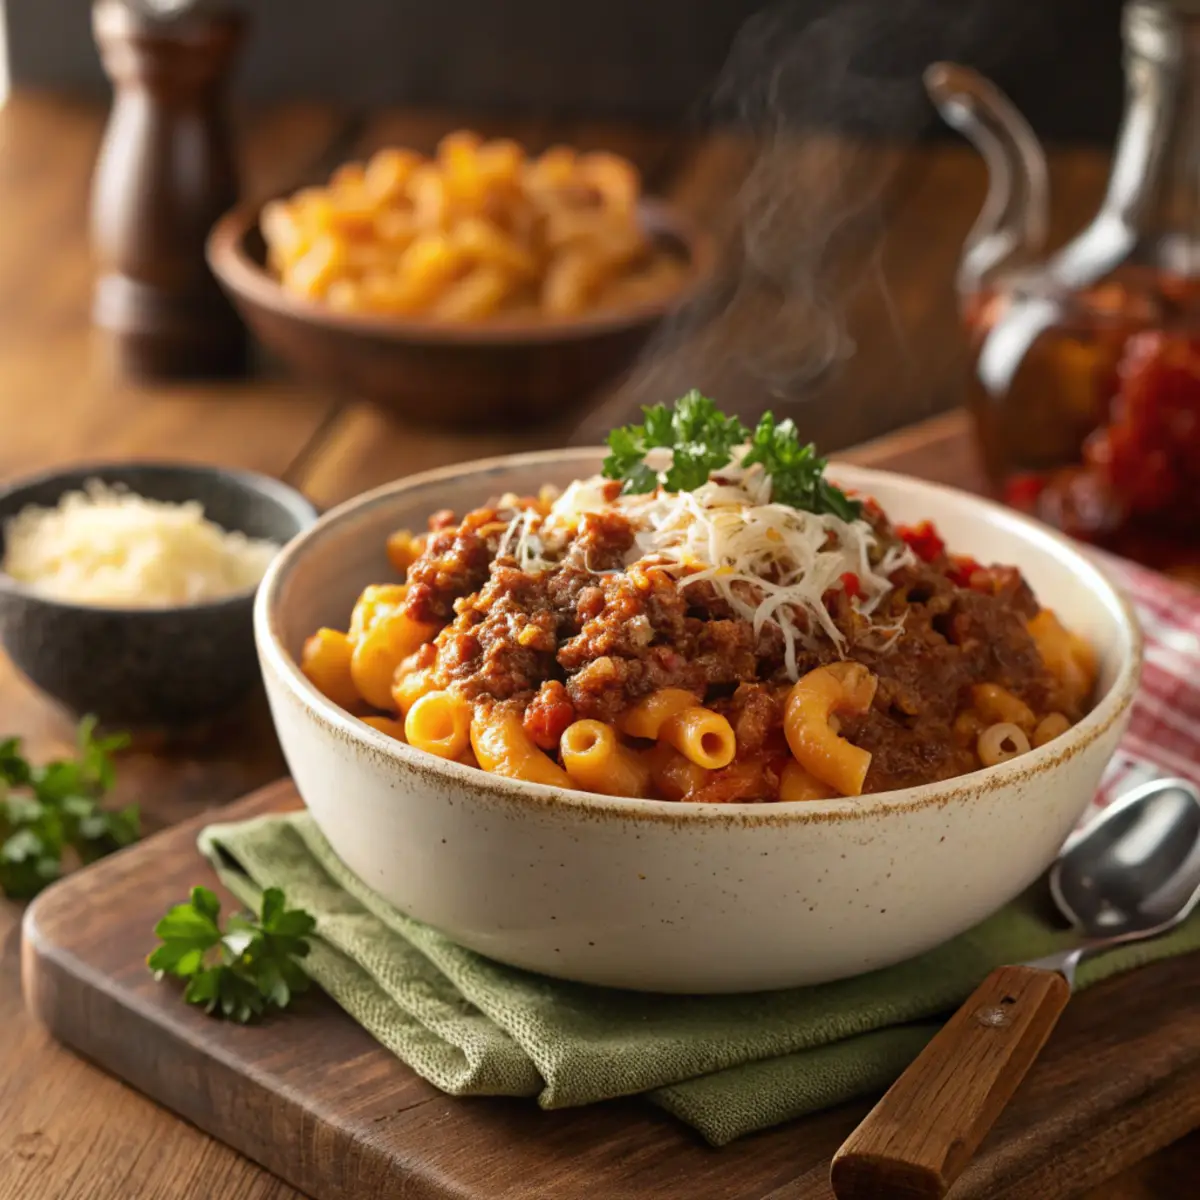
<point x="146" y="668"/>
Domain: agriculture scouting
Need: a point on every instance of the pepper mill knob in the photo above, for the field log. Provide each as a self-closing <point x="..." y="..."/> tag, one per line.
<point x="165" y="173"/>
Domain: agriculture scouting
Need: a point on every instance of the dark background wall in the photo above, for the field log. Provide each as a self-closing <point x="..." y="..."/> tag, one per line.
<point x="649" y="59"/>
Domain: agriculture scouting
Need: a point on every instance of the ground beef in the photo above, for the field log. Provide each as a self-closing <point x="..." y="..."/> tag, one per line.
<point x="586" y="638"/>
<point x="603" y="541"/>
<point x="502" y="640"/>
<point x="454" y="564"/>
<point x="755" y="711"/>
<point x="624" y="615"/>
<point x="635" y="636"/>
<point x="739" y="783"/>
<point x="548" y="714"/>
<point x="953" y="638"/>
<point x="600" y="545"/>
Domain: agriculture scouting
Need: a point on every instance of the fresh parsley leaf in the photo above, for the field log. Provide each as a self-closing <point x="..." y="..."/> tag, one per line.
<point x="26" y="864"/>
<point x="102" y="832"/>
<point x="702" y="440"/>
<point x="797" y="472"/>
<point x="627" y="450"/>
<point x="14" y="770"/>
<point x="49" y="810"/>
<point x="95" y="755"/>
<point x="188" y="932"/>
<point x="243" y="971"/>
<point x="700" y="437"/>
<point x="833" y="499"/>
<point x="705" y="439"/>
<point x="219" y="991"/>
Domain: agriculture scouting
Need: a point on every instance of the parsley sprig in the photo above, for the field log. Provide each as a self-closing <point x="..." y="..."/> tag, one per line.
<point x="241" y="972"/>
<point x="702" y="440"/>
<point x="700" y="437"/>
<point x="797" y="472"/>
<point x="49" y="811"/>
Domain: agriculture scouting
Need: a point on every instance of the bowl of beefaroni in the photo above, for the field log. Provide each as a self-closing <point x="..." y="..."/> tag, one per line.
<point x="481" y="283"/>
<point x="721" y="723"/>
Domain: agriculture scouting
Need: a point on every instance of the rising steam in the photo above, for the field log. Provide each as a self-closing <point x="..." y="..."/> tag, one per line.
<point x="814" y="109"/>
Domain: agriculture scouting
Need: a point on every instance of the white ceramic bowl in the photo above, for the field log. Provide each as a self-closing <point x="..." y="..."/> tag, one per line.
<point x="670" y="897"/>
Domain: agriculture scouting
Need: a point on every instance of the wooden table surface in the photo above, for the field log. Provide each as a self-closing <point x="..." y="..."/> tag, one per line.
<point x="68" y="1132"/>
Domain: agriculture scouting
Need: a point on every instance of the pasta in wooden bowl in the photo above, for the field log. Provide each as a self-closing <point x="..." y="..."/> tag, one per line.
<point x="709" y="644"/>
<point x="479" y="230"/>
<point x="503" y="285"/>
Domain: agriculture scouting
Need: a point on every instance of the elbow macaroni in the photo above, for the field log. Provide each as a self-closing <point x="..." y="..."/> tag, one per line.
<point x="326" y="662"/>
<point x="998" y="743"/>
<point x="647" y="717"/>
<point x="377" y="603"/>
<point x="503" y="747"/>
<point x="789" y="742"/>
<point x="408" y="686"/>
<point x="674" y="776"/>
<point x="478" y="230"/>
<point x="701" y="736"/>
<point x="439" y="723"/>
<point x="1067" y="657"/>
<point x="387" y="640"/>
<point x="998" y="705"/>
<point x="597" y="762"/>
<point x="827" y="756"/>
<point x="386" y="725"/>
<point x="795" y="783"/>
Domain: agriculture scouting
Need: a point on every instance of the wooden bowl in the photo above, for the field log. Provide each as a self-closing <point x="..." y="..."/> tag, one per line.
<point x="503" y="370"/>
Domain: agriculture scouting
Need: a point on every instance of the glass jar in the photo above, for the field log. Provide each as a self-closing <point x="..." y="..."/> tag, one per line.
<point x="1085" y="380"/>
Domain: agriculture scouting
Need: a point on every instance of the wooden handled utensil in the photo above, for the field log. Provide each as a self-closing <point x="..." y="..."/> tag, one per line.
<point x="1132" y="874"/>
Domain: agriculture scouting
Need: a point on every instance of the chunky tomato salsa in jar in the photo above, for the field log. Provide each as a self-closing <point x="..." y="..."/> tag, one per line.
<point x="1098" y="433"/>
<point x="1085" y="365"/>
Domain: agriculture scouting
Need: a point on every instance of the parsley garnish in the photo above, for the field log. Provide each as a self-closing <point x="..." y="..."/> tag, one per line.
<point x="702" y="439"/>
<point x="48" y="810"/>
<point x="239" y="972"/>
<point x="797" y="472"/>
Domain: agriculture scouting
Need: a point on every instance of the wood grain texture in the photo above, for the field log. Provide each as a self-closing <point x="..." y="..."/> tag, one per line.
<point x="311" y="1097"/>
<point x="915" y="1142"/>
<point x="60" y="399"/>
<point x="71" y="1133"/>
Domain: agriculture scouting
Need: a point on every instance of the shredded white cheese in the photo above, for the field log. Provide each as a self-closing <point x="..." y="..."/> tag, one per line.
<point x="771" y="563"/>
<point x="111" y="548"/>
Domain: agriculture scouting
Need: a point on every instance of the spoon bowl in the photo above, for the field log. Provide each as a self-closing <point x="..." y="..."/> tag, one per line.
<point x="1135" y="871"/>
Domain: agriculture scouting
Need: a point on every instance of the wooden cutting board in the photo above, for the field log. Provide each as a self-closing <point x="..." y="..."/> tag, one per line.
<point x="314" y="1099"/>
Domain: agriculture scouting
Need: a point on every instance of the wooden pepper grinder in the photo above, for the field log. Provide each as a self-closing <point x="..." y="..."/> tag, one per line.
<point x="165" y="173"/>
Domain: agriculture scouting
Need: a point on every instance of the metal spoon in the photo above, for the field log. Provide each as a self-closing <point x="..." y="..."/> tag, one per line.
<point x="1133" y="873"/>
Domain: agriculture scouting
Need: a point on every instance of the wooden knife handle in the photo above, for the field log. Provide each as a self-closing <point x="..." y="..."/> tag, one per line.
<point x="916" y="1141"/>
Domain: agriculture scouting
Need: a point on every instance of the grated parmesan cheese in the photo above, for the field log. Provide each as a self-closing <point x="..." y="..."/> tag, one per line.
<point x="769" y="562"/>
<point x="111" y="548"/>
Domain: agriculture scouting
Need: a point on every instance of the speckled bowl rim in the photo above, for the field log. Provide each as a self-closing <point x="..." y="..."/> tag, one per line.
<point x="1042" y="761"/>
<point x="285" y="496"/>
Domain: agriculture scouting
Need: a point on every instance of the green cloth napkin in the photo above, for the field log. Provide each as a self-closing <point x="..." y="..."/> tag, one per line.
<point x="726" y="1065"/>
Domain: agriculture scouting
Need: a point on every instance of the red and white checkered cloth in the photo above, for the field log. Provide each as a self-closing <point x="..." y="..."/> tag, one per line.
<point x="1164" y="731"/>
